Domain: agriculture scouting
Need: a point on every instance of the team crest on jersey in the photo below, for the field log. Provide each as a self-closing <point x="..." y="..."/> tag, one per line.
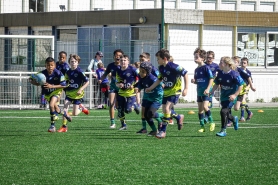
<point x="128" y="74"/>
<point x="220" y="79"/>
<point x="228" y="81"/>
<point x="71" y="81"/>
<point x="168" y="72"/>
<point x="75" y="75"/>
<point x="212" y="68"/>
<point x="201" y="73"/>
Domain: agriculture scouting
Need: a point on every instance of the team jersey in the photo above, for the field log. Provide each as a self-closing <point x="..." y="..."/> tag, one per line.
<point x="112" y="68"/>
<point x="155" y="71"/>
<point x="76" y="79"/>
<point x="156" y="94"/>
<point x="55" y="78"/>
<point x="202" y="76"/>
<point x="171" y="76"/>
<point x="244" y="75"/>
<point x="63" y="67"/>
<point x="214" y="68"/>
<point x="128" y="78"/>
<point x="99" y="73"/>
<point x="229" y="83"/>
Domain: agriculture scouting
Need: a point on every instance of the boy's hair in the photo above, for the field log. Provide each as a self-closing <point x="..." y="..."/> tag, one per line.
<point x="163" y="53"/>
<point x="49" y="59"/>
<point x="202" y="53"/>
<point x="145" y="55"/>
<point x="171" y="59"/>
<point x="100" y="65"/>
<point x="76" y="57"/>
<point x="137" y="64"/>
<point x="62" y="52"/>
<point x="228" y="61"/>
<point x="118" y="50"/>
<point x="125" y="56"/>
<point x="236" y="58"/>
<point x="245" y="59"/>
<point x="210" y="53"/>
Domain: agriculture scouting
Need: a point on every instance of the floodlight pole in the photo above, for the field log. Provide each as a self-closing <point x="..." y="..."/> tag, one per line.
<point x="162" y="25"/>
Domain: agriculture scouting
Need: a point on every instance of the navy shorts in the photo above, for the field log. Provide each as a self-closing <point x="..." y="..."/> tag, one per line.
<point x="203" y="98"/>
<point x="173" y="99"/>
<point x="74" y="101"/>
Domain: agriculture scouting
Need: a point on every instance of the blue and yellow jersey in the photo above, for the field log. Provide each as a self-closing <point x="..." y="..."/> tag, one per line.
<point x="55" y="78"/>
<point x="229" y="83"/>
<point x="244" y="75"/>
<point x="214" y="68"/>
<point x="156" y="94"/>
<point x="63" y="67"/>
<point x="76" y="79"/>
<point x="155" y="71"/>
<point x="99" y="73"/>
<point x="112" y="68"/>
<point x="128" y="78"/>
<point x="171" y="76"/>
<point x="202" y="76"/>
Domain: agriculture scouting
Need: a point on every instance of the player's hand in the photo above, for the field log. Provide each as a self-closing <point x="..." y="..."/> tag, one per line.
<point x="99" y="82"/>
<point x="184" y="92"/>
<point x="48" y="86"/>
<point x="232" y="97"/>
<point x="120" y="85"/>
<point x="147" y="90"/>
<point x="253" y="89"/>
<point x="136" y="90"/>
<point x="206" y="92"/>
<point x="79" y="92"/>
<point x="193" y="80"/>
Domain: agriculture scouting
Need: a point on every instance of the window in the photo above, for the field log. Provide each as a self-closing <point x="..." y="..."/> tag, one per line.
<point x="36" y="5"/>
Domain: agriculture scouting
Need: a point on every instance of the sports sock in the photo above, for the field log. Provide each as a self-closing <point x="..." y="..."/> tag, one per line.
<point x="144" y="123"/>
<point x="65" y="122"/>
<point x="247" y="109"/>
<point x="158" y="116"/>
<point x="208" y="114"/>
<point x="112" y="121"/>
<point x="201" y="119"/>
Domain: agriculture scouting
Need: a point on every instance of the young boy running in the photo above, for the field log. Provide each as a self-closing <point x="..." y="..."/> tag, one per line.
<point x="75" y="91"/>
<point x="125" y="81"/>
<point x="113" y="91"/>
<point x="170" y="74"/>
<point x="152" y="100"/>
<point x="203" y="78"/>
<point x="52" y="89"/>
<point x="231" y="84"/>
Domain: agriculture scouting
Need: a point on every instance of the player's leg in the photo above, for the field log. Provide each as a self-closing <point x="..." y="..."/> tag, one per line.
<point x="52" y="101"/>
<point x="150" y="113"/>
<point x="201" y="114"/>
<point x="208" y="113"/>
<point x="83" y="108"/>
<point x="66" y="117"/>
<point x="121" y="111"/>
<point x="247" y="109"/>
<point x="112" y="101"/>
<point x="179" y="117"/>
<point x="143" y="130"/>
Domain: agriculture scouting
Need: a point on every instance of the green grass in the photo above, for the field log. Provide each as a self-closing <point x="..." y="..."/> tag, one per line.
<point x="91" y="153"/>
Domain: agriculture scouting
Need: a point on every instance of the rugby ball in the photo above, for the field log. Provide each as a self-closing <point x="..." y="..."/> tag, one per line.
<point x="39" y="78"/>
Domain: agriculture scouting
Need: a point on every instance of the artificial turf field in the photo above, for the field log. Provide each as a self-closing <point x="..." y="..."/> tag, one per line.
<point x="91" y="153"/>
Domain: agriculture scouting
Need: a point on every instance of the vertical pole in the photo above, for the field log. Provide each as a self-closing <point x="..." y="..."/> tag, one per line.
<point x="90" y="89"/>
<point x="100" y="45"/>
<point x="234" y="51"/>
<point x="20" y="91"/>
<point x="36" y="6"/>
<point x="162" y="25"/>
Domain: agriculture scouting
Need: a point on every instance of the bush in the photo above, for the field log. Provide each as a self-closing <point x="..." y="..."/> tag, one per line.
<point x="260" y="100"/>
<point x="274" y="99"/>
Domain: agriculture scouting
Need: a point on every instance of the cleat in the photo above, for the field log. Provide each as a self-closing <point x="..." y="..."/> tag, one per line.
<point x="235" y="122"/>
<point x="249" y="116"/>
<point x="113" y="126"/>
<point x="221" y="134"/>
<point x="142" y="131"/>
<point x="211" y="127"/>
<point x="180" y="122"/>
<point x="70" y="113"/>
<point x="123" y="128"/>
<point x="229" y="124"/>
<point x="63" y="129"/>
<point x="171" y="122"/>
<point x="161" y="134"/>
<point x="242" y="119"/>
<point x="85" y="111"/>
<point x="67" y="117"/>
<point x="52" y="129"/>
<point x="202" y="129"/>
<point x="206" y="120"/>
<point x="152" y="133"/>
<point x="137" y="109"/>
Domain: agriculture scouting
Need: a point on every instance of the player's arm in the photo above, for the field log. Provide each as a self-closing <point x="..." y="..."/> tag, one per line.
<point x="208" y="87"/>
<point x="89" y="68"/>
<point x="215" y="86"/>
<point x="33" y="82"/>
<point x="186" y="82"/>
<point x="156" y="83"/>
<point x="251" y="84"/>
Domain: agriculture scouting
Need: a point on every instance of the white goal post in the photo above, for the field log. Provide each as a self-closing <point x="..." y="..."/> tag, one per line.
<point x="33" y="37"/>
